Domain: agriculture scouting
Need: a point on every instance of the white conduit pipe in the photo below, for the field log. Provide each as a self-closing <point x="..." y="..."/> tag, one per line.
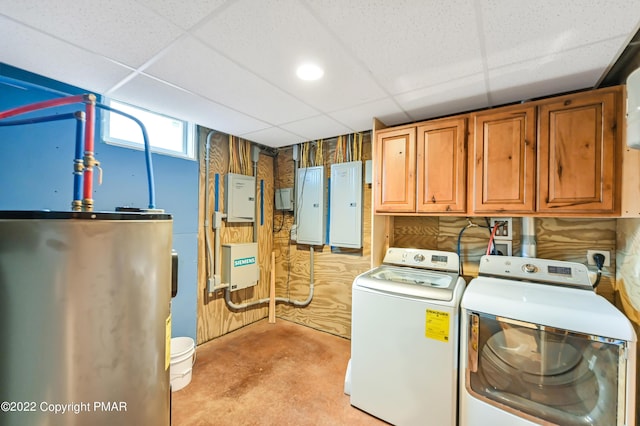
<point x="207" y="213"/>
<point x="227" y="295"/>
<point x="529" y="245"/>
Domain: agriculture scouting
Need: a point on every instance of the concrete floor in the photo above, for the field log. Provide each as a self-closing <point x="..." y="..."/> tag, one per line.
<point x="269" y="374"/>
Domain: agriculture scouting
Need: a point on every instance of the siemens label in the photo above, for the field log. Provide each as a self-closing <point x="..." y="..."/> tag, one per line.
<point x="244" y="261"/>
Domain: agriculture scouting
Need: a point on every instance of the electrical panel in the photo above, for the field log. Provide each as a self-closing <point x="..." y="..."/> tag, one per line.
<point x="284" y="199"/>
<point x="240" y="265"/>
<point x="310" y="204"/>
<point x="345" y="205"/>
<point x="240" y="197"/>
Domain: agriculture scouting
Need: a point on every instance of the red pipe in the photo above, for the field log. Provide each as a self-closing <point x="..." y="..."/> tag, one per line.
<point x="89" y="160"/>
<point x="44" y="104"/>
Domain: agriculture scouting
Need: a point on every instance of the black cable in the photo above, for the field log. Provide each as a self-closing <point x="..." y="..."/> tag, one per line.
<point x="598" y="258"/>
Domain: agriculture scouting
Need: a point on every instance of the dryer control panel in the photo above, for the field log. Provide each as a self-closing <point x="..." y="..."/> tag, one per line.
<point x="537" y="270"/>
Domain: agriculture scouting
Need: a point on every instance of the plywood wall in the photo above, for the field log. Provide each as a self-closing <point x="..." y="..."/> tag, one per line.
<point x="334" y="271"/>
<point x="628" y="260"/>
<point x="214" y="317"/>
<point x="561" y="239"/>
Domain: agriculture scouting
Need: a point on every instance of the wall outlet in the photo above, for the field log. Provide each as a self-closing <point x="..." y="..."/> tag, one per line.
<point x="605" y="253"/>
<point x="505" y="229"/>
<point x="503" y="248"/>
<point x="294" y="232"/>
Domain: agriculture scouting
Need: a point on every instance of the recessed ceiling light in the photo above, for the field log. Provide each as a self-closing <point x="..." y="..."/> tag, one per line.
<point x="309" y="72"/>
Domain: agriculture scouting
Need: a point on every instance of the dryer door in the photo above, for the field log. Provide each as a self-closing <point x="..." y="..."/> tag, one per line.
<point x="545" y="373"/>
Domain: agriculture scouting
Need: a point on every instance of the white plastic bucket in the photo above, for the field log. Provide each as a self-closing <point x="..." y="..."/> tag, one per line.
<point x="183" y="356"/>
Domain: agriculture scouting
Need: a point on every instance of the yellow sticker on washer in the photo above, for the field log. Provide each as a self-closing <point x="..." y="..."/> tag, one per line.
<point x="437" y="325"/>
<point x="167" y="342"/>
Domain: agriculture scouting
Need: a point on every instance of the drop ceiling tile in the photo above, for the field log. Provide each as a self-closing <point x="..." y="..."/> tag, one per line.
<point x="184" y="15"/>
<point x="57" y="59"/>
<point x="573" y="70"/>
<point x="320" y="127"/>
<point x="216" y="78"/>
<point x="272" y="37"/>
<point x="121" y="30"/>
<point x="152" y="94"/>
<point x="457" y="96"/>
<point x="519" y="31"/>
<point x="407" y="44"/>
<point x="360" y="117"/>
<point x="273" y="137"/>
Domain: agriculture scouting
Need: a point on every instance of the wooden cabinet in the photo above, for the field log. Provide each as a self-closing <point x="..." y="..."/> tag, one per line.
<point x="577" y="153"/>
<point x="395" y="165"/>
<point x="421" y="169"/>
<point x="551" y="157"/>
<point x="441" y="166"/>
<point x="502" y="161"/>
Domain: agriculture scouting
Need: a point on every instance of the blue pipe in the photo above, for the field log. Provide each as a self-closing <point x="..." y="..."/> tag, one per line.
<point x="215" y="192"/>
<point x="327" y="236"/>
<point x="147" y="152"/>
<point x="261" y="202"/>
<point x="78" y="164"/>
<point x="57" y="117"/>
<point x="79" y="116"/>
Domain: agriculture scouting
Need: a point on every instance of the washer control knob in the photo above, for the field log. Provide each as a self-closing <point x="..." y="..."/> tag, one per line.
<point x="529" y="268"/>
<point x="418" y="257"/>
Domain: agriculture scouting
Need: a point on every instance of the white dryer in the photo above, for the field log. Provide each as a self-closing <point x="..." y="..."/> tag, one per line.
<point x="539" y="346"/>
<point x="404" y="338"/>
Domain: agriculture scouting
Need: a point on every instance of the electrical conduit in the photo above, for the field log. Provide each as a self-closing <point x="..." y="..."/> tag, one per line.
<point x="296" y="303"/>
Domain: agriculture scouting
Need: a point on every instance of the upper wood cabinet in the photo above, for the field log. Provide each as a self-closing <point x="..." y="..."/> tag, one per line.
<point x="550" y="157"/>
<point x="577" y="153"/>
<point x="502" y="161"/>
<point x="394" y="158"/>
<point x="441" y="170"/>
<point x="424" y="174"/>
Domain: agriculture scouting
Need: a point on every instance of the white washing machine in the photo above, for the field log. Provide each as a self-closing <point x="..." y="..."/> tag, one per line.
<point x="539" y="346"/>
<point x="404" y="338"/>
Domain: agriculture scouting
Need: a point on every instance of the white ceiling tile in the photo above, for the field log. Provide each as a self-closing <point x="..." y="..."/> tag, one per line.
<point x="272" y="37"/>
<point x="360" y="117"/>
<point x="273" y="137"/>
<point x="57" y="59"/>
<point x="572" y="70"/>
<point x="121" y="30"/>
<point x="519" y="31"/>
<point x="152" y="94"/>
<point x="407" y="44"/>
<point x="320" y="127"/>
<point x="399" y="61"/>
<point x="184" y="15"/>
<point x="456" y="96"/>
<point x="215" y="77"/>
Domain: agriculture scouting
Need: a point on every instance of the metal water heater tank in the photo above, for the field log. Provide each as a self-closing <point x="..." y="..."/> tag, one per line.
<point x="85" y="321"/>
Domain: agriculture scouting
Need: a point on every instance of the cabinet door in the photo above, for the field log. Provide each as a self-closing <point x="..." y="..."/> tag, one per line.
<point x="576" y="154"/>
<point x="395" y="165"/>
<point x="441" y="166"/>
<point x="502" y="164"/>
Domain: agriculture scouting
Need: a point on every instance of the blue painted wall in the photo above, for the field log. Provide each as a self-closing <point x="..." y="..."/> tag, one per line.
<point x="36" y="165"/>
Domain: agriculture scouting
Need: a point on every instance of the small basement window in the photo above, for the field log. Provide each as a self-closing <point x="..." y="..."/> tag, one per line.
<point x="167" y="135"/>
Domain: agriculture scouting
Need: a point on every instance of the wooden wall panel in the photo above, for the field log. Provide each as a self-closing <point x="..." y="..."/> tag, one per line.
<point x="214" y="317"/>
<point x="560" y="239"/>
<point x="334" y="272"/>
<point x="628" y="259"/>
